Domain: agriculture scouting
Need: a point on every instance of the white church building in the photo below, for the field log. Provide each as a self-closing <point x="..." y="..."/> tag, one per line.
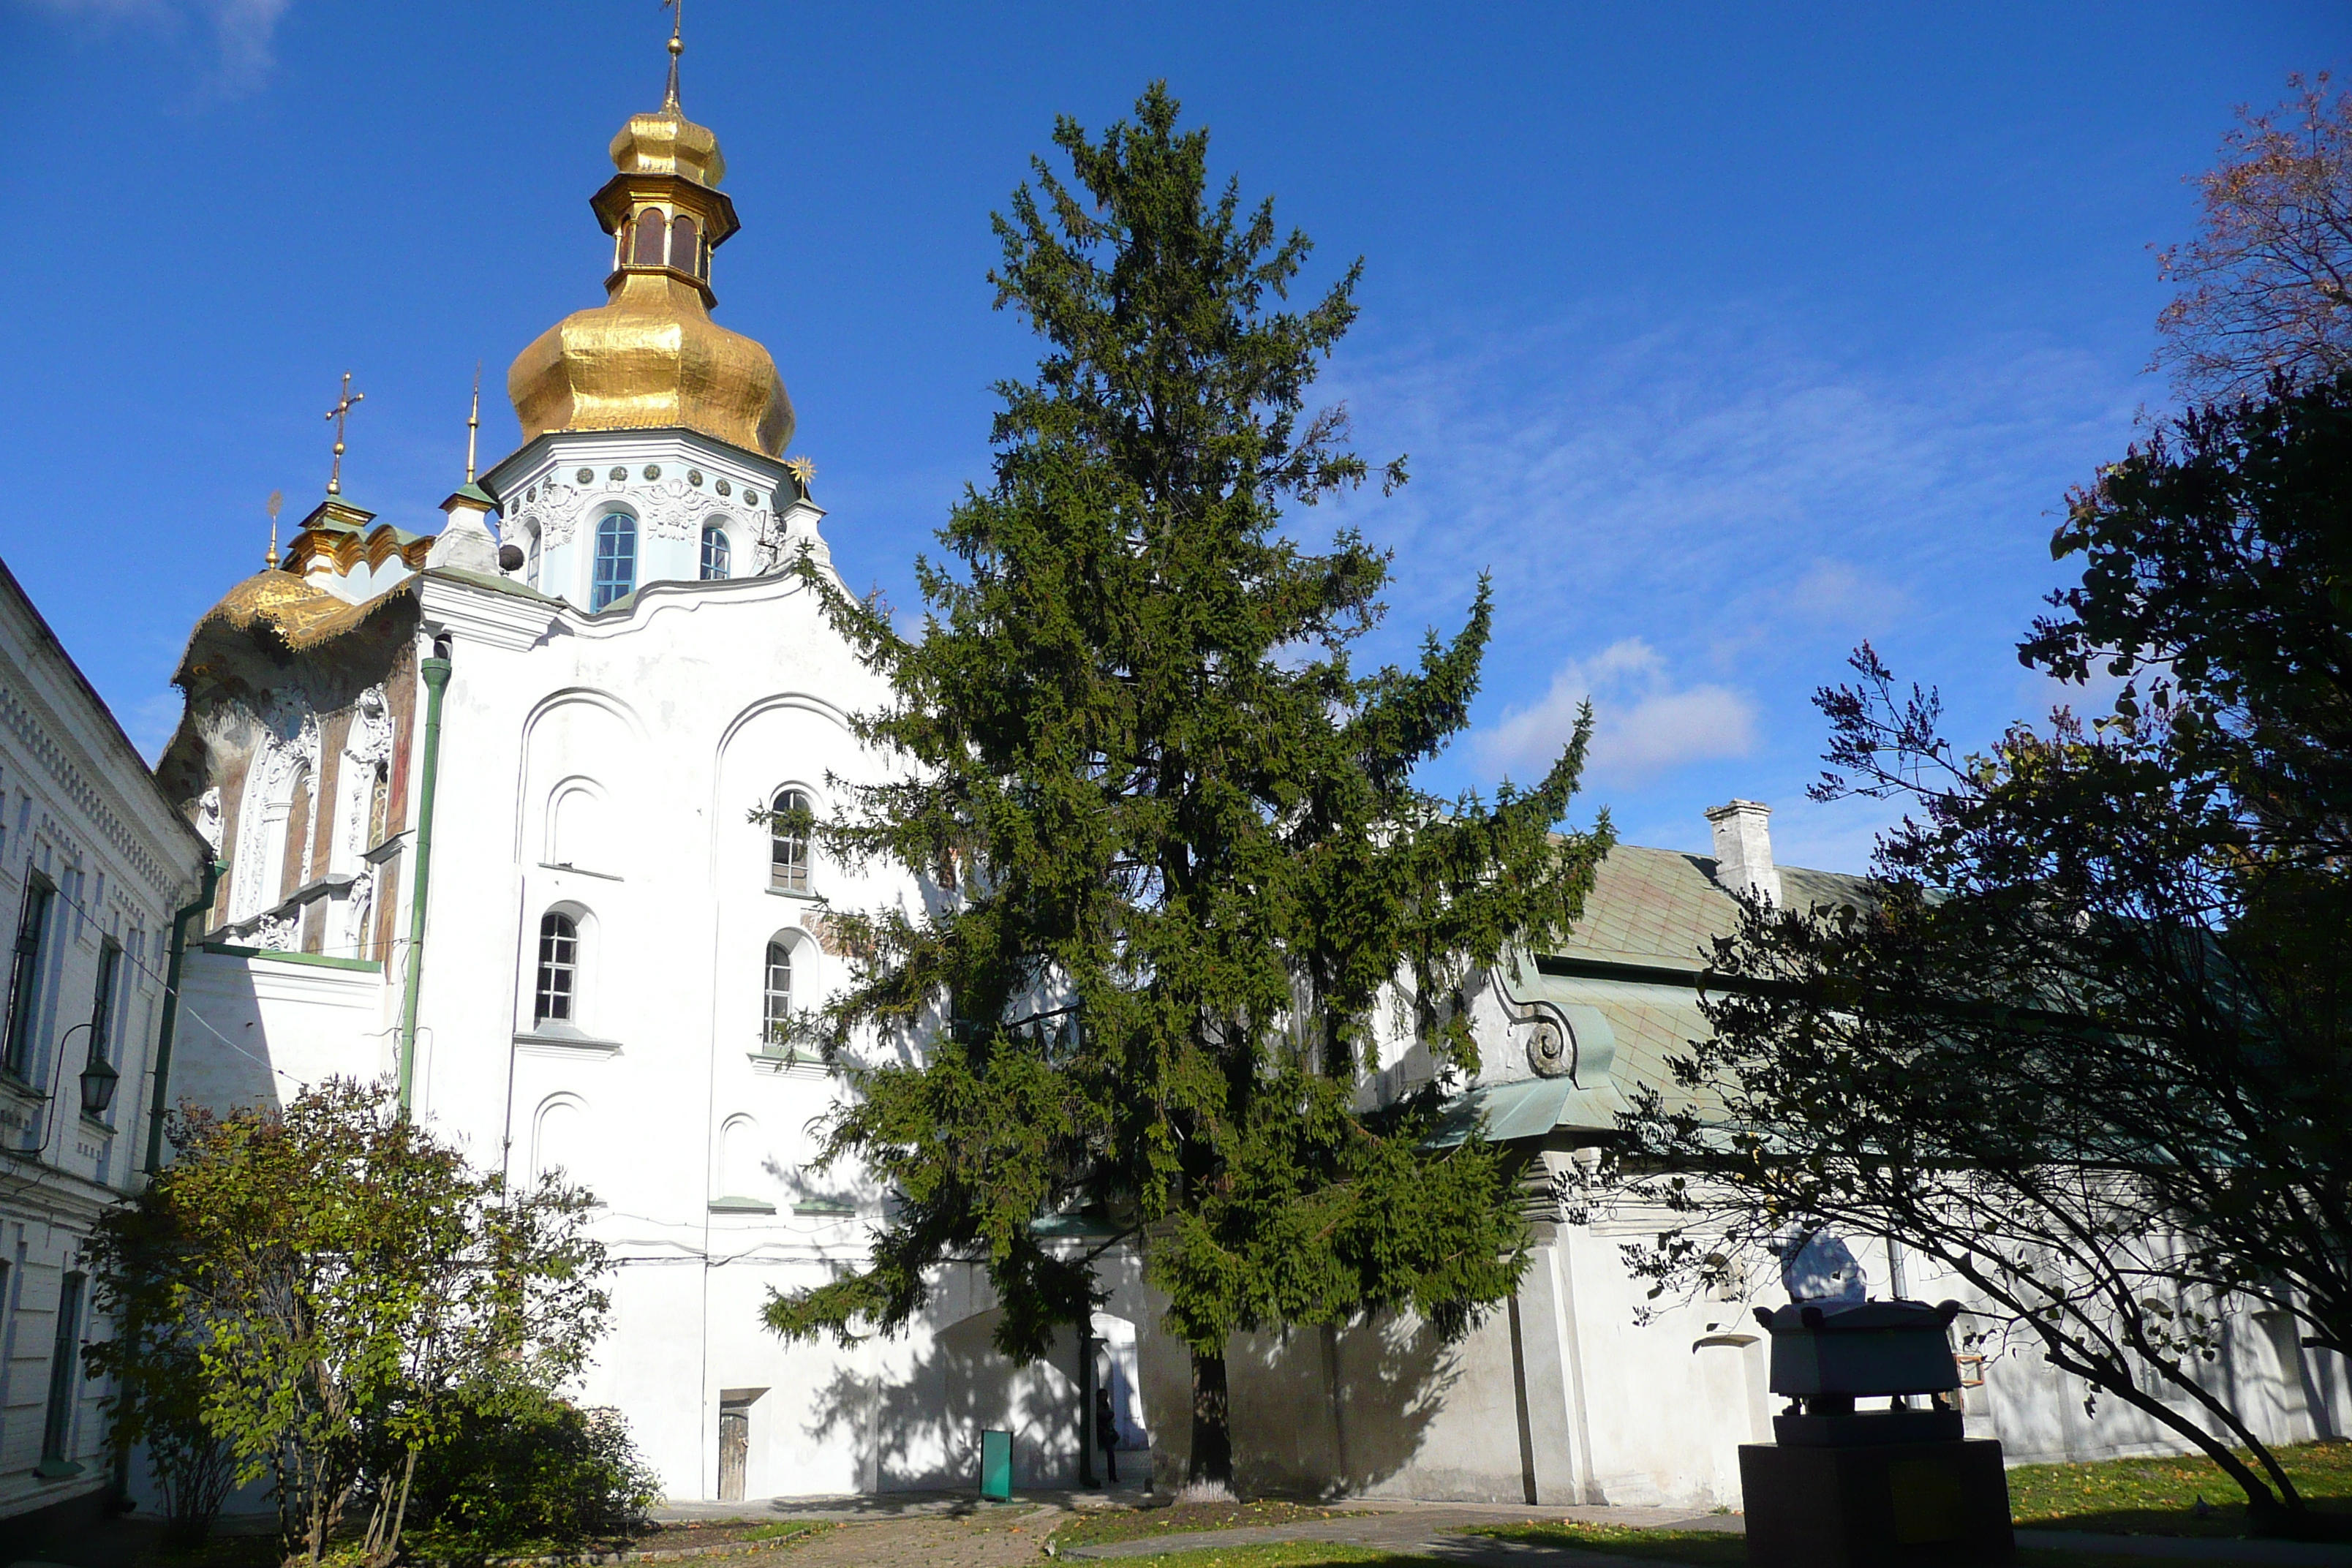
<point x="486" y="799"/>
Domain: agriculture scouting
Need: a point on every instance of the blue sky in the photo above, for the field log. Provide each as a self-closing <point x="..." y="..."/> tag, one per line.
<point x="1723" y="336"/>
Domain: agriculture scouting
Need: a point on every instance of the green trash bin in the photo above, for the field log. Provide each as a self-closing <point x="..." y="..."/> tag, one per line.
<point x="996" y="1466"/>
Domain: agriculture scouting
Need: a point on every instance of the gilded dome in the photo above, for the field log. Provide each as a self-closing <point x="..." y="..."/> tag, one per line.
<point x="273" y="597"/>
<point x="300" y="615"/>
<point x="650" y="356"/>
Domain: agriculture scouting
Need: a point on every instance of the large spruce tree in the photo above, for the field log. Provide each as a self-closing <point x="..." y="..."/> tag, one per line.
<point x="1180" y="882"/>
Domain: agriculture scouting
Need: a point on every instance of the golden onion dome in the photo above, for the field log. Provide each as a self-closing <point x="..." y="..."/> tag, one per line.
<point x="273" y="598"/>
<point x="294" y="612"/>
<point x="650" y="356"/>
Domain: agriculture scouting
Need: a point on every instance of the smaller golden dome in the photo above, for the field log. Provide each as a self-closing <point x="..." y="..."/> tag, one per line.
<point x="300" y="615"/>
<point x="272" y="596"/>
<point x="668" y="142"/>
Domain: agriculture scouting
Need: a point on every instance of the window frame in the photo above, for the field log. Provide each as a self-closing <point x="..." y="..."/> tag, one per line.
<point x="716" y="531"/>
<point x="65" y="1357"/>
<point x="105" y="1003"/>
<point x="604" y="591"/>
<point x="565" y="964"/>
<point x="794" y="874"/>
<point x="29" y="951"/>
<point x="769" y="1045"/>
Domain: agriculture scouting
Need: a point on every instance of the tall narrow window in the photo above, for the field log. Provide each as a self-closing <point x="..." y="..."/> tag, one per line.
<point x="788" y="843"/>
<point x="686" y="245"/>
<point x="714" y="553"/>
<point x="24" y="973"/>
<point x="616" y="559"/>
<point x="778" y="1009"/>
<point x="57" y="1425"/>
<point x="531" y="561"/>
<point x="298" y="834"/>
<point x="379" y="802"/>
<point x="559" y="968"/>
<point x="649" y="238"/>
<point x="101" y="1001"/>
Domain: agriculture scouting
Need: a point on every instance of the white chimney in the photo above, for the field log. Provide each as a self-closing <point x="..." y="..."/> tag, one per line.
<point x="1743" y="848"/>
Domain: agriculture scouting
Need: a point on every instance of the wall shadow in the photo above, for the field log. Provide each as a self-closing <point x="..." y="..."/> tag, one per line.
<point x="914" y="1425"/>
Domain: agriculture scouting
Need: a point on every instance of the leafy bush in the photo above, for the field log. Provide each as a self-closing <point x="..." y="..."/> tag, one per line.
<point x="520" y="1468"/>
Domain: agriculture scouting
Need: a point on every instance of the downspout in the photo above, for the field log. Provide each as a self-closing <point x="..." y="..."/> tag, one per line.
<point x="213" y="872"/>
<point x="436" y="672"/>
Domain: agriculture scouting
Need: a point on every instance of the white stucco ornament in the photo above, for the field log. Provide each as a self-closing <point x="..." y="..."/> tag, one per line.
<point x="674" y="508"/>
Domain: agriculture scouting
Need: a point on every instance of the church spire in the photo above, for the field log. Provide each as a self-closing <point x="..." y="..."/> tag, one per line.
<point x="676" y="48"/>
<point x="651" y="357"/>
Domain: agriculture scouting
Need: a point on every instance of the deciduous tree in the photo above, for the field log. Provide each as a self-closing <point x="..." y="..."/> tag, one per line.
<point x="2088" y="1039"/>
<point x="2263" y="285"/>
<point x="340" y="1285"/>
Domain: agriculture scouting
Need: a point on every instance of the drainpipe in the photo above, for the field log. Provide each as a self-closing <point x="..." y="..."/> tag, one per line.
<point x="213" y="872"/>
<point x="436" y="672"/>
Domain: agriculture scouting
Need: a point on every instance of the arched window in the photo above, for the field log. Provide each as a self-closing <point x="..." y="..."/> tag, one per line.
<point x="776" y="1010"/>
<point x="788" y="844"/>
<point x="650" y="233"/>
<point x="714" y="553"/>
<point x="616" y="559"/>
<point x="531" y="561"/>
<point x="686" y="245"/>
<point x="559" y="968"/>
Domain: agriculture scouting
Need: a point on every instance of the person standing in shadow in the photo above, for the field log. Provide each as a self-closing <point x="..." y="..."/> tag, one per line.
<point x="1107" y="1434"/>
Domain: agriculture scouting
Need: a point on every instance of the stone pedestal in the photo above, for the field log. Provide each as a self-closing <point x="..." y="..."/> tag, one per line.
<point x="1880" y="1505"/>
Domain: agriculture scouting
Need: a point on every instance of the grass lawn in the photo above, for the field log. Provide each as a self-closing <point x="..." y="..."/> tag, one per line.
<point x="1098" y="1527"/>
<point x="2159" y="1497"/>
<point x="1700" y="1548"/>
<point x="1722" y="1549"/>
<point x="1707" y="1548"/>
<point x="261" y="1551"/>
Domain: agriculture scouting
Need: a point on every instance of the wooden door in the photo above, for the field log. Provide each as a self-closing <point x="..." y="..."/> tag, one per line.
<point x="734" y="1448"/>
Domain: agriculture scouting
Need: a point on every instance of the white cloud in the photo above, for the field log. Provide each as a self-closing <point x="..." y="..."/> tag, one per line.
<point x="1643" y="724"/>
<point x="242" y="33"/>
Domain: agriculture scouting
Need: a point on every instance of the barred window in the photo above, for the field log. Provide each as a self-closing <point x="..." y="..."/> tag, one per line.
<point x="559" y="968"/>
<point x="715" y="567"/>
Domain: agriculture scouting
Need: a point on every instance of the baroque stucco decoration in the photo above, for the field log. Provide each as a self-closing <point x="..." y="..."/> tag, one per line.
<point x="290" y="741"/>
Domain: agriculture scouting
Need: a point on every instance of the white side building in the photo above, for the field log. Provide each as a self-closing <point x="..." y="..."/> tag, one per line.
<point x="94" y="864"/>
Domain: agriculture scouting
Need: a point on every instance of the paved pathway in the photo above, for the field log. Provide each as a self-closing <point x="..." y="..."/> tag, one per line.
<point x="956" y="1530"/>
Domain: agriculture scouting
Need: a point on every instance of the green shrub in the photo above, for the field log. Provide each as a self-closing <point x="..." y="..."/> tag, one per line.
<point x="520" y="1469"/>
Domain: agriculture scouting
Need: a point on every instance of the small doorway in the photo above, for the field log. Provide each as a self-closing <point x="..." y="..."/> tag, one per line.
<point x="735" y="1440"/>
